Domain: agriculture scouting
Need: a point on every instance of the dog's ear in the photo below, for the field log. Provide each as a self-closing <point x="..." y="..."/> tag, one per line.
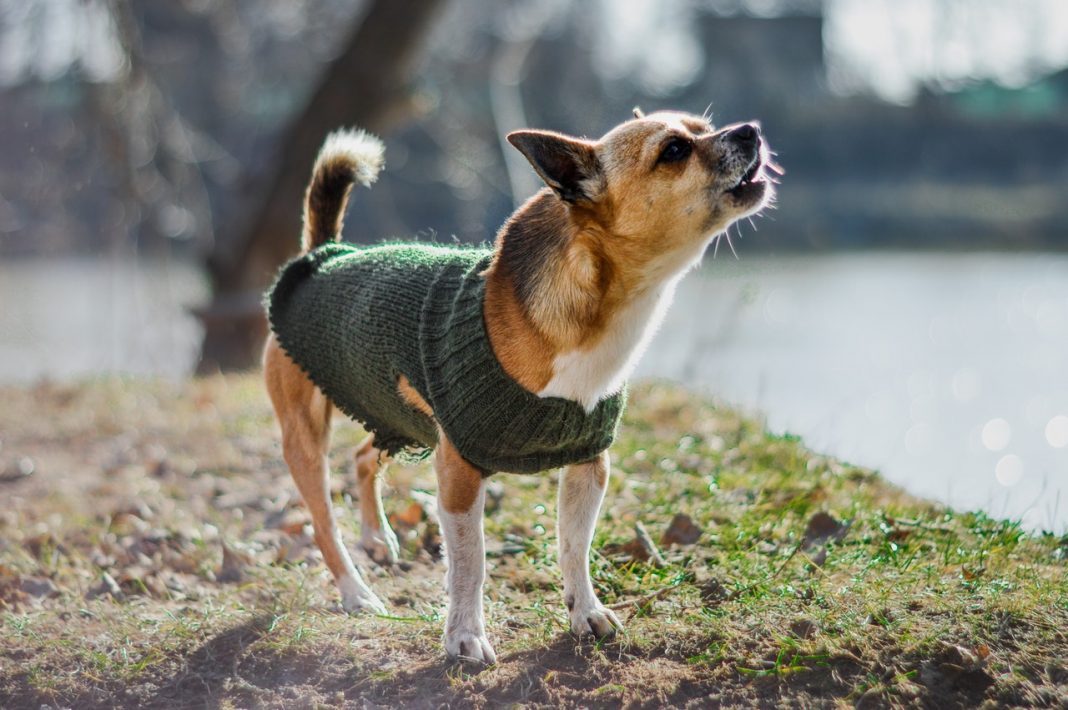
<point x="568" y="165"/>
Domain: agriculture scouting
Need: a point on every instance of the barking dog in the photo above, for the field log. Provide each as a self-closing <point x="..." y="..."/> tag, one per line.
<point x="511" y="359"/>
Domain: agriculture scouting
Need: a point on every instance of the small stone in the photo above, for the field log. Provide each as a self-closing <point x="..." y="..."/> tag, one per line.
<point x="18" y="470"/>
<point x="39" y="587"/>
<point x="106" y="587"/>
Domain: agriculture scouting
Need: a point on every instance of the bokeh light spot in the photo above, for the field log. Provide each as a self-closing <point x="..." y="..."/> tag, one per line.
<point x="1057" y="431"/>
<point x="966" y="385"/>
<point x="1009" y="470"/>
<point x="997" y="433"/>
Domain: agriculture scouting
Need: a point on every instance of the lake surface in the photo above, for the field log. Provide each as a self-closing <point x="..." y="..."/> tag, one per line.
<point x="65" y="318"/>
<point x="945" y="372"/>
<point x="948" y="373"/>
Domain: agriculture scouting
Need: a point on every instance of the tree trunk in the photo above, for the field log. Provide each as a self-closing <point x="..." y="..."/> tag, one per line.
<point x="367" y="86"/>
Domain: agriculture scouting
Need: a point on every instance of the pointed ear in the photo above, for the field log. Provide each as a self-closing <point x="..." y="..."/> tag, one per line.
<point x="638" y="113"/>
<point x="568" y="165"/>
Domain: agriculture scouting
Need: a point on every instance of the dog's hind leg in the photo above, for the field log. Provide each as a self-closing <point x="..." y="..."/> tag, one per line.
<point x="304" y="414"/>
<point x="461" y="498"/>
<point x="582" y="488"/>
<point x="376" y="537"/>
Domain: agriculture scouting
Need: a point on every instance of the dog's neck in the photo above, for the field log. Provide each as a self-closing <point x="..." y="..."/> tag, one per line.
<point x="567" y="312"/>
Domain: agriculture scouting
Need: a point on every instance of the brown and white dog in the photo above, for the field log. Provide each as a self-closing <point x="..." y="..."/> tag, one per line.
<point x="581" y="277"/>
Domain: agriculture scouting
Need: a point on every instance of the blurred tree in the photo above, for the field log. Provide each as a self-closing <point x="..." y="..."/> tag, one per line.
<point x="147" y="140"/>
<point x="366" y="85"/>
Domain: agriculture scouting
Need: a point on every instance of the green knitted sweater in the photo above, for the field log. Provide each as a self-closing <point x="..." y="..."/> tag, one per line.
<point x="356" y="319"/>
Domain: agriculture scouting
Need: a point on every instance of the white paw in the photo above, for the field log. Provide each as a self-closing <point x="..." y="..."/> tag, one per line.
<point x="595" y="620"/>
<point x="469" y="646"/>
<point x="357" y="597"/>
<point x="381" y="545"/>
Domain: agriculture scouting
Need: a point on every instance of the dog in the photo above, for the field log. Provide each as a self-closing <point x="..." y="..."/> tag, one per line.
<point x="577" y="281"/>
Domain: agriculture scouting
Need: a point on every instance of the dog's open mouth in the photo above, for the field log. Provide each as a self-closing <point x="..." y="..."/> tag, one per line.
<point x="753" y="173"/>
<point x="751" y="181"/>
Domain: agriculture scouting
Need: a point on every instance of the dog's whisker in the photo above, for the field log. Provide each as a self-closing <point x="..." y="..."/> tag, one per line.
<point x="715" y="248"/>
<point x="731" y="244"/>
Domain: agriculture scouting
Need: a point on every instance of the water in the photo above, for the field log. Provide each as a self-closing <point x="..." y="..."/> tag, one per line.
<point x="66" y="318"/>
<point x="945" y="372"/>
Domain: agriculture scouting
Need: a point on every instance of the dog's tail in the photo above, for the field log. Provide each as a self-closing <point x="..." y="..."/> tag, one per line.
<point x="347" y="155"/>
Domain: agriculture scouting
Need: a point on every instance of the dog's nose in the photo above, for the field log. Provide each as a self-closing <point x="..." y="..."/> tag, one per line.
<point x="745" y="135"/>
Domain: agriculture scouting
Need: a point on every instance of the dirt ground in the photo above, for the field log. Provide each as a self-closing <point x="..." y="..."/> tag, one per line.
<point x="154" y="553"/>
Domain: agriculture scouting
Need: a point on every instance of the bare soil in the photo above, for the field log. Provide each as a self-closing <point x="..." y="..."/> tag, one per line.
<point x="154" y="553"/>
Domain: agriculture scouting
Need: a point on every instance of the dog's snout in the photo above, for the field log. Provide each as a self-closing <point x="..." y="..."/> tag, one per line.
<point x="745" y="135"/>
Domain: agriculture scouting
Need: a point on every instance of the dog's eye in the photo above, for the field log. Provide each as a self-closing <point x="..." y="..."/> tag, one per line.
<point x="676" y="149"/>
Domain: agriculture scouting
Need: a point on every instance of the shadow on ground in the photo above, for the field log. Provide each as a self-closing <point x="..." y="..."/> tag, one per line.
<point x="239" y="667"/>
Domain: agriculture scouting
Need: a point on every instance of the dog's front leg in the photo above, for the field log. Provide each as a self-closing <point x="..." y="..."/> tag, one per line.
<point x="461" y="498"/>
<point x="582" y="489"/>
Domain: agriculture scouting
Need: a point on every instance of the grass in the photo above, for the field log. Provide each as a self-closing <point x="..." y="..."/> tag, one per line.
<point x="812" y="583"/>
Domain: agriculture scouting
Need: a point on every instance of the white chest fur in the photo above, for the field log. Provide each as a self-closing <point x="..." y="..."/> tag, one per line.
<point x="587" y="375"/>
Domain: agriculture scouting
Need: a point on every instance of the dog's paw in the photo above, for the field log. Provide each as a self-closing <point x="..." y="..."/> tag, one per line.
<point x="357" y="598"/>
<point x="594" y="620"/>
<point x="469" y="646"/>
<point x="381" y="546"/>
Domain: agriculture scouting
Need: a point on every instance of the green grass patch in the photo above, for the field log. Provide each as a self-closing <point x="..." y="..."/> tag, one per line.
<point x="811" y="582"/>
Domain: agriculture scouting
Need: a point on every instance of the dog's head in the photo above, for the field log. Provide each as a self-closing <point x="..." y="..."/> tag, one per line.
<point x="663" y="184"/>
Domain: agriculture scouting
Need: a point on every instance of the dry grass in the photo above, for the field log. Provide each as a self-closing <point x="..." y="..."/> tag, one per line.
<point x="812" y="582"/>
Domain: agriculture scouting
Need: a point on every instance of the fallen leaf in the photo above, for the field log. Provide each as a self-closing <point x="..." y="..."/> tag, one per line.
<point x="11" y="594"/>
<point x="681" y="531"/>
<point x="428" y="502"/>
<point x="898" y="534"/>
<point x="294" y="527"/>
<point x="640" y="549"/>
<point x="409" y="517"/>
<point x="39" y="543"/>
<point x="822" y="528"/>
<point x="233" y="565"/>
<point x="803" y="629"/>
